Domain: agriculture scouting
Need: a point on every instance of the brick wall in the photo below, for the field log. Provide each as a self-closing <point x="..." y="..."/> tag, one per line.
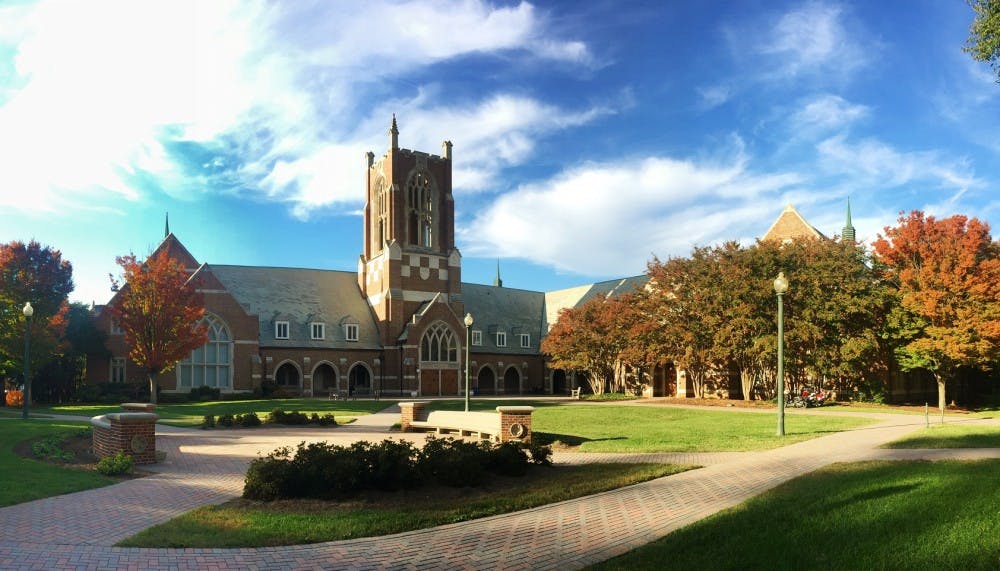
<point x="133" y="433"/>
<point x="515" y="416"/>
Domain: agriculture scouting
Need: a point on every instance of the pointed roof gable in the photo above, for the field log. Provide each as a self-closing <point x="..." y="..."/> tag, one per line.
<point x="174" y="249"/>
<point x="790" y="226"/>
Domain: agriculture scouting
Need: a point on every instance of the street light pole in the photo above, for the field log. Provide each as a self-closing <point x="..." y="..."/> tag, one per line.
<point x="26" y="393"/>
<point x="780" y="287"/>
<point x="468" y="341"/>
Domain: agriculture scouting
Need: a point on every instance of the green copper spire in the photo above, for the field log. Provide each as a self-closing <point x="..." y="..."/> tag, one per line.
<point x="497" y="282"/>
<point x="848" y="233"/>
<point x="166" y="225"/>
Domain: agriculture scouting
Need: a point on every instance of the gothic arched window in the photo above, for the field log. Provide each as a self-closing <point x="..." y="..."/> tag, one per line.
<point x="380" y="222"/>
<point x="421" y="212"/>
<point x="439" y="345"/>
<point x="211" y="364"/>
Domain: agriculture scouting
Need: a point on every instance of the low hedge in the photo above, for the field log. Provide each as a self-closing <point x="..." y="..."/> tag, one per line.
<point x="321" y="470"/>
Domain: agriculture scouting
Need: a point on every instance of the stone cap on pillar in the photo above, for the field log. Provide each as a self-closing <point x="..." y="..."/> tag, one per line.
<point x="516" y="409"/>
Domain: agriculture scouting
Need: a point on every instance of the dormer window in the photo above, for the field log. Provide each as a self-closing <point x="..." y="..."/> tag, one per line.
<point x="317" y="331"/>
<point x="477" y="337"/>
<point x="281" y="330"/>
<point x="351" y="332"/>
<point x="525" y="341"/>
<point x="116" y="329"/>
<point x="501" y="338"/>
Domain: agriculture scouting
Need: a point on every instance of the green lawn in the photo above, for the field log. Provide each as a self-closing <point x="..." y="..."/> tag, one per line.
<point x="610" y="428"/>
<point x="191" y="414"/>
<point x="255" y="524"/>
<point x="871" y="515"/>
<point x="23" y="480"/>
<point x="951" y="436"/>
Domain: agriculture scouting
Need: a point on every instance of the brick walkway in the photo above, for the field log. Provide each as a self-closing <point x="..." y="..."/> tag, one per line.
<point x="77" y="531"/>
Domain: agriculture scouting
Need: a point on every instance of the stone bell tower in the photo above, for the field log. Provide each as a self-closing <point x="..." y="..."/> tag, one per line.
<point x="409" y="258"/>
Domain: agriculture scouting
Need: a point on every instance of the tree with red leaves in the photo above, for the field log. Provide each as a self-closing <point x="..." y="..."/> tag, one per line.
<point x="591" y="338"/>
<point x="37" y="274"/>
<point x="159" y="311"/>
<point x="948" y="274"/>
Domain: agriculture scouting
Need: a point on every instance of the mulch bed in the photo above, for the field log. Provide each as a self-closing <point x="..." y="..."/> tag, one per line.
<point x="81" y="448"/>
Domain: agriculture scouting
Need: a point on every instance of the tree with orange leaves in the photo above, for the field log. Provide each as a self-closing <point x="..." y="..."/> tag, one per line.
<point x="948" y="274"/>
<point x="37" y="274"/>
<point x="159" y="311"/>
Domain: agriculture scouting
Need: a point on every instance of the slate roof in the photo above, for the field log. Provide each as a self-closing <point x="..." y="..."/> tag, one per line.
<point x="301" y="297"/>
<point x="574" y="296"/>
<point x="513" y="311"/>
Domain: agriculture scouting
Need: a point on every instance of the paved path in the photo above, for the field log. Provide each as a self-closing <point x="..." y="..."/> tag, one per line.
<point x="77" y="531"/>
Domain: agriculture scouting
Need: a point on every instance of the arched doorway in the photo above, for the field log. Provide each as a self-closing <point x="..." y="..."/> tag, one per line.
<point x="559" y="382"/>
<point x="359" y="380"/>
<point x="487" y="380"/>
<point x="324" y="378"/>
<point x="287" y="376"/>
<point x="512" y="381"/>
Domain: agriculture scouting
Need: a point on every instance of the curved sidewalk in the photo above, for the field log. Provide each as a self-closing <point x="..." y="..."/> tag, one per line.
<point x="77" y="531"/>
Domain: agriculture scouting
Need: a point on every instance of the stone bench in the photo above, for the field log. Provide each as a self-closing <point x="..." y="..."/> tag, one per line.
<point x="512" y="422"/>
<point x="575" y="393"/>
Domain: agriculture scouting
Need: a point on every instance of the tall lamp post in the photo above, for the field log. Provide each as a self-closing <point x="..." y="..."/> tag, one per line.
<point x="26" y="393"/>
<point x="780" y="287"/>
<point x="468" y="341"/>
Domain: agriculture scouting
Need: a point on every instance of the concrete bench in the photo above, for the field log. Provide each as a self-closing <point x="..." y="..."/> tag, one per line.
<point x="482" y="425"/>
<point x="512" y="422"/>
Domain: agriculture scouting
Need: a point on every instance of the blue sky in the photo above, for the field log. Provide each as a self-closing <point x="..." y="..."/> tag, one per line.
<point x="587" y="135"/>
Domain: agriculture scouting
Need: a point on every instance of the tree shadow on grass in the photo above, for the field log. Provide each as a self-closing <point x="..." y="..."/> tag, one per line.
<point x="567" y="439"/>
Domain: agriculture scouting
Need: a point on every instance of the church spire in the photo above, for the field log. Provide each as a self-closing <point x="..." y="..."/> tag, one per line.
<point x="497" y="282"/>
<point x="393" y="134"/>
<point x="848" y="232"/>
<point x="166" y="224"/>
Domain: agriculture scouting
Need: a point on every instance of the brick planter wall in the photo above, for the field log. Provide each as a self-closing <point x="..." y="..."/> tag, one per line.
<point x="133" y="433"/>
<point x="515" y="415"/>
<point x="410" y="411"/>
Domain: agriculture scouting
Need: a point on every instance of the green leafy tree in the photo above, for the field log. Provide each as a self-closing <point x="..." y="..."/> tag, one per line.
<point x="948" y="275"/>
<point x="984" y="33"/>
<point x="159" y="310"/>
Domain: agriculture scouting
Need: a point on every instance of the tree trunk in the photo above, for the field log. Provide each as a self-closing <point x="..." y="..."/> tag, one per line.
<point x="940" y="384"/>
<point x="152" y="388"/>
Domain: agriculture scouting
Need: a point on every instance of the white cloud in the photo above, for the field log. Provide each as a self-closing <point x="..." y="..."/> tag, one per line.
<point x="812" y="40"/>
<point x="104" y="93"/>
<point x="606" y="219"/>
<point x="873" y="164"/>
<point x="714" y="95"/>
<point x="824" y="113"/>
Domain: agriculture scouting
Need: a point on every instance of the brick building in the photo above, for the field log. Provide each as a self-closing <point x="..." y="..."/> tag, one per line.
<point x="395" y="326"/>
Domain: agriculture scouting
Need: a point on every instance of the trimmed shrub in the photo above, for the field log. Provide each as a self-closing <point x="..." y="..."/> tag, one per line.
<point x="327" y="420"/>
<point x="208" y="421"/>
<point x="226" y="420"/>
<point x="508" y="459"/>
<point x="203" y="393"/>
<point x="248" y="419"/>
<point x="454" y="463"/>
<point x="120" y="463"/>
<point x="541" y="454"/>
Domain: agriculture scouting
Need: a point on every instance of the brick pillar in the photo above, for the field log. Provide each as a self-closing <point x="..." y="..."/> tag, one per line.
<point x="133" y="433"/>
<point x="410" y="411"/>
<point x="515" y="423"/>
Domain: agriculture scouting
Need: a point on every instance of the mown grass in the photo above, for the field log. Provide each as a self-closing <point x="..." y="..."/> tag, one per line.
<point x="951" y="436"/>
<point x="610" y="428"/>
<point x="191" y="414"/>
<point x="870" y="515"/>
<point x="24" y="479"/>
<point x="254" y="524"/>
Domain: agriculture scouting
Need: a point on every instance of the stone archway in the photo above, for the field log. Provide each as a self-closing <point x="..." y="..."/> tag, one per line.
<point x="287" y="376"/>
<point x="512" y="381"/>
<point x="487" y="380"/>
<point x="559" y="382"/>
<point x="324" y="378"/>
<point x="359" y="380"/>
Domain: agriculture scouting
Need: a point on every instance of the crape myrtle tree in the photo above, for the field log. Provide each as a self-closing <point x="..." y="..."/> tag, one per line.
<point x="948" y="274"/>
<point x="592" y="338"/>
<point x="37" y="274"/>
<point x="159" y="311"/>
